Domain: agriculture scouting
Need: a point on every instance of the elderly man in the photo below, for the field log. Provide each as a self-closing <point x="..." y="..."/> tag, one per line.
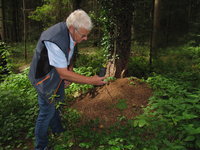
<point x="51" y="68"/>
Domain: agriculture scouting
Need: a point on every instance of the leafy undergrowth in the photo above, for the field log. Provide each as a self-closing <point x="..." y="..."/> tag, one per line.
<point x="18" y="109"/>
<point x="17" y="51"/>
<point x="169" y="122"/>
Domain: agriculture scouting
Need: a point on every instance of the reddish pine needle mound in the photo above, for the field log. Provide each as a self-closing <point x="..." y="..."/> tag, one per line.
<point x="123" y="98"/>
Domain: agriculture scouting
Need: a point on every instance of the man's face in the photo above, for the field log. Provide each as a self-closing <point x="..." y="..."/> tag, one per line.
<point x="79" y="35"/>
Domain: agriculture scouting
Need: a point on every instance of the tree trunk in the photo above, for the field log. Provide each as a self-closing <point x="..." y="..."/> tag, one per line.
<point x="189" y="15"/>
<point x="2" y="37"/>
<point x="15" y="20"/>
<point x="59" y="10"/>
<point x="155" y="30"/>
<point x="122" y="41"/>
<point x="24" y="16"/>
<point x="76" y="4"/>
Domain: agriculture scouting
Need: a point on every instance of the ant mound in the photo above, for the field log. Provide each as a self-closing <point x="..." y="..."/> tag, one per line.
<point x="121" y="99"/>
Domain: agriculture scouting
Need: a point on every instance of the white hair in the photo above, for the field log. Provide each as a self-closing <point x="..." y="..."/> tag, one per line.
<point x="79" y="19"/>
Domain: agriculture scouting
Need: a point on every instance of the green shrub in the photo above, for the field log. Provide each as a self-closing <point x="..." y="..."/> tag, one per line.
<point x="5" y="65"/>
<point x="18" y="110"/>
<point x="138" y="67"/>
<point x="178" y="59"/>
<point x="75" y="89"/>
<point x="96" y="61"/>
<point x="172" y="115"/>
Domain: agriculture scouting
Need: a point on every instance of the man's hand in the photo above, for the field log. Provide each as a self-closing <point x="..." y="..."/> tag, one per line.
<point x="67" y="83"/>
<point x="96" y="80"/>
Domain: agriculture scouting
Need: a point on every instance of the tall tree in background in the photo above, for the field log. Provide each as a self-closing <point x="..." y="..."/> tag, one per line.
<point x="76" y="4"/>
<point x="118" y="25"/>
<point x="178" y="18"/>
<point x="155" y="31"/>
<point x="11" y="21"/>
<point x="24" y="18"/>
<point x="12" y="11"/>
<point x="142" y="21"/>
<point x="1" y="22"/>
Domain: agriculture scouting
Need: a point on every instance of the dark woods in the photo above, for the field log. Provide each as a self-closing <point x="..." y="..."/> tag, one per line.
<point x="176" y="19"/>
<point x="117" y="24"/>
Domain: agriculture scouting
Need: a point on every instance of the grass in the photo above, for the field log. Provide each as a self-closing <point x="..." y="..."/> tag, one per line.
<point x="18" y="56"/>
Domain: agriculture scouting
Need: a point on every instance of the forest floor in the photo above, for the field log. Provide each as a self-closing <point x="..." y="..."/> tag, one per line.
<point x="122" y="98"/>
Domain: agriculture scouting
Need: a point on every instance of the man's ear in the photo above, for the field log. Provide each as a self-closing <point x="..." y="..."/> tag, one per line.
<point x="71" y="28"/>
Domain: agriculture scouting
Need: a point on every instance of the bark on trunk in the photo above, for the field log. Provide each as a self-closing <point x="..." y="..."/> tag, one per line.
<point x="122" y="42"/>
<point x="156" y="27"/>
<point x="2" y="37"/>
<point x="24" y="16"/>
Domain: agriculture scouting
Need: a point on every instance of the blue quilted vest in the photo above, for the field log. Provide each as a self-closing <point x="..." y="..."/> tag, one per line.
<point x="42" y="75"/>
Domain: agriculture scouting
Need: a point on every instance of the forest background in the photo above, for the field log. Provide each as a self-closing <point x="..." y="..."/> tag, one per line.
<point x="156" y="41"/>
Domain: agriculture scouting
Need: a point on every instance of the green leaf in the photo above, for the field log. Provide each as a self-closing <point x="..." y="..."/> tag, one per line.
<point x="189" y="116"/>
<point x="85" y="145"/>
<point x="121" y="104"/>
<point x="189" y="138"/>
<point x="191" y="129"/>
<point x="142" y="123"/>
<point x="197" y="142"/>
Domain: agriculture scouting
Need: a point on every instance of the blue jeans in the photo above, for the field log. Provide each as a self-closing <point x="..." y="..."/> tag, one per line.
<point x="48" y="116"/>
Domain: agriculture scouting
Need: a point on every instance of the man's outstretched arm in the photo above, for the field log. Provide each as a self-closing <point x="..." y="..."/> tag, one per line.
<point x="77" y="78"/>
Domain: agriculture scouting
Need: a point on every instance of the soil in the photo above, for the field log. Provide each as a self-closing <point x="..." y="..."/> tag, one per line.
<point x="121" y="98"/>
